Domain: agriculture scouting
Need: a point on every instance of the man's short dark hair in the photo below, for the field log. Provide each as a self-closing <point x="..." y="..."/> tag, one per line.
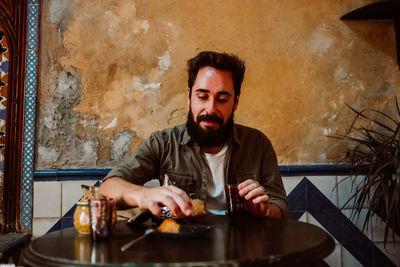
<point x="221" y="61"/>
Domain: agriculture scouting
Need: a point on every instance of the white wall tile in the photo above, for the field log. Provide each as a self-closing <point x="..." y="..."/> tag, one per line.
<point x="348" y="260"/>
<point x="46" y="199"/>
<point x="72" y="193"/>
<point x="334" y="259"/>
<point x="327" y="186"/>
<point x="392" y="250"/>
<point x="42" y="226"/>
<point x="290" y="182"/>
<point x="378" y="228"/>
<point x="346" y="189"/>
<point x="304" y="217"/>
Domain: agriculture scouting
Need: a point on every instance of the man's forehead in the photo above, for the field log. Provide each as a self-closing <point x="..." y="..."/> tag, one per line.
<point x="209" y="71"/>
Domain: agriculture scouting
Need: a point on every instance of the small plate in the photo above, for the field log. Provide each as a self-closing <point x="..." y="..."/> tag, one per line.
<point x="187" y="231"/>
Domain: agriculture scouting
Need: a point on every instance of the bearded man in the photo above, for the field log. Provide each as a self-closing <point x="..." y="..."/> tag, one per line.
<point x="204" y="154"/>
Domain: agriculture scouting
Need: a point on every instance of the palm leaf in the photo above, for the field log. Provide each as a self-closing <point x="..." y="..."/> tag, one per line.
<point x="376" y="155"/>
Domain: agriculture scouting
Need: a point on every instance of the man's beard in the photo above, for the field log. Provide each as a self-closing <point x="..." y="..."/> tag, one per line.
<point x="209" y="137"/>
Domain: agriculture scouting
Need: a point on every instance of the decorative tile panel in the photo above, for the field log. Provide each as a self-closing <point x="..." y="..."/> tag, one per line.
<point x="26" y="212"/>
<point x="29" y="126"/>
<point x="4" y="56"/>
<point x="29" y="115"/>
<point x="27" y="181"/>
<point x="33" y="26"/>
<point x="31" y="72"/>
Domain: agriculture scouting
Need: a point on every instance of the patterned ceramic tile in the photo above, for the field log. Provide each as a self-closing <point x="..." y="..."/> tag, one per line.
<point x="4" y="55"/>
<point x="290" y="183"/>
<point x="26" y="212"/>
<point x="33" y="26"/>
<point x="327" y="186"/>
<point x="27" y="176"/>
<point x="307" y="197"/>
<point x="29" y="127"/>
<point x="312" y="220"/>
<point x="29" y="116"/>
<point x="31" y="72"/>
<point x="358" y="220"/>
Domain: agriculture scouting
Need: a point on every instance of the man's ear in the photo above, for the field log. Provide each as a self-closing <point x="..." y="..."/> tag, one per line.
<point x="236" y="102"/>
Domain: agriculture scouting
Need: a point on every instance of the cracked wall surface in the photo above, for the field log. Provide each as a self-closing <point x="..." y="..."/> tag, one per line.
<point x="113" y="71"/>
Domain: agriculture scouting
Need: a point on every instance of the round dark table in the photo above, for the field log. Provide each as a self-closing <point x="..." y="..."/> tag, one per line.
<point x="244" y="241"/>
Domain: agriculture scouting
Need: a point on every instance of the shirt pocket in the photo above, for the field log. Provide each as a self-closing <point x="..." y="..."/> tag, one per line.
<point x="182" y="180"/>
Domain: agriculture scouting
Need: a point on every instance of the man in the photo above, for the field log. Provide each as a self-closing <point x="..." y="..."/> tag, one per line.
<point x="205" y="153"/>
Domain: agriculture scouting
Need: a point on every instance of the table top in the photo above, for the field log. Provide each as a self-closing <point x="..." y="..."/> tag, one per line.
<point x="243" y="240"/>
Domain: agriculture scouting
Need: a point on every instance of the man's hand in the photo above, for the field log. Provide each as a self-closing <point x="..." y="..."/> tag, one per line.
<point x="256" y="201"/>
<point x="128" y="195"/>
<point x="175" y="199"/>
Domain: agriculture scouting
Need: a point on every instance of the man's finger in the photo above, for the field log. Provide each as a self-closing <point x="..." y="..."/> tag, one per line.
<point x="170" y="201"/>
<point x="255" y="192"/>
<point x="244" y="191"/>
<point x="155" y="209"/>
<point x="245" y="183"/>
<point x="261" y="199"/>
<point x="182" y="200"/>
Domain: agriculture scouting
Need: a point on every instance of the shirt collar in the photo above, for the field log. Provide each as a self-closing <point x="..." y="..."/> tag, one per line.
<point x="187" y="138"/>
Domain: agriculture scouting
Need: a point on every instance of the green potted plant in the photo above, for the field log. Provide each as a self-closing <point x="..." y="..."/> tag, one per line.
<point x="375" y="157"/>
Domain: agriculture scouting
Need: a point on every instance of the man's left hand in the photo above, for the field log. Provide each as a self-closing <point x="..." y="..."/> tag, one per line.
<point x="256" y="201"/>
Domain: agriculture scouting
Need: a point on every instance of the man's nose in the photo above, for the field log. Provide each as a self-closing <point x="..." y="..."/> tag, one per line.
<point x="211" y="106"/>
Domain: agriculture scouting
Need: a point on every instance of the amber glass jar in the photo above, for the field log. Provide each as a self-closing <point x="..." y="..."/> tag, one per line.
<point x="82" y="218"/>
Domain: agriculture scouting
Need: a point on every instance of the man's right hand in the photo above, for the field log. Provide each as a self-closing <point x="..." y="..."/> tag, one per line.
<point x="151" y="199"/>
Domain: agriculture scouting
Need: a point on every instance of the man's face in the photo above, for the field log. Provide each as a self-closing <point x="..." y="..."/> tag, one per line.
<point x="212" y="94"/>
<point x="212" y="103"/>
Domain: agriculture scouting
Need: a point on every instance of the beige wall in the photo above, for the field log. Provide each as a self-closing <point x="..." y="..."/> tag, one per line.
<point x="111" y="72"/>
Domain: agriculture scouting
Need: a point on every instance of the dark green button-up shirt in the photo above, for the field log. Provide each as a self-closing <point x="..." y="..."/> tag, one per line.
<point x="250" y="156"/>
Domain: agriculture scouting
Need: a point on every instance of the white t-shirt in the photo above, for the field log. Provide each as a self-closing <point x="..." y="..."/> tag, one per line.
<point x="216" y="202"/>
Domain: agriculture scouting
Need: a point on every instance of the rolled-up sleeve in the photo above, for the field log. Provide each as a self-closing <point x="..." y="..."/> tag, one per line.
<point x="271" y="179"/>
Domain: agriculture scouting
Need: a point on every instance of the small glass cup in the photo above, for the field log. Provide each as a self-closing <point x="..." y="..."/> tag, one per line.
<point x="234" y="201"/>
<point x="82" y="218"/>
<point x="101" y="214"/>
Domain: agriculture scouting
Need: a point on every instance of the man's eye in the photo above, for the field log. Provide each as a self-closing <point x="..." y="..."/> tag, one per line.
<point x="222" y="100"/>
<point x="202" y="96"/>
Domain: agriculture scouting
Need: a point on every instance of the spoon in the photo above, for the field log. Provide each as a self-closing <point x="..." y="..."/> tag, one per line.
<point x="130" y="243"/>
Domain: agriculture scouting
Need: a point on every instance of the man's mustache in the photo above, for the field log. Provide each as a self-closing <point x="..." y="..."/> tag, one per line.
<point x="211" y="118"/>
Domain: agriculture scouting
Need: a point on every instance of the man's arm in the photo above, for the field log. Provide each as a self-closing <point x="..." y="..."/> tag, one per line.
<point x="127" y="195"/>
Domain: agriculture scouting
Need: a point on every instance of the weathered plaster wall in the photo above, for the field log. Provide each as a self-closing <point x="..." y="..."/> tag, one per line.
<point x="113" y="71"/>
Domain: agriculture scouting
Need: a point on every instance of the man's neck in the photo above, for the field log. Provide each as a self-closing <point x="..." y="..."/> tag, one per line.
<point x="212" y="150"/>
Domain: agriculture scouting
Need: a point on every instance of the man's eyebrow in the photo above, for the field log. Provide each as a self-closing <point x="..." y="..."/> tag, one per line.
<point x="207" y="91"/>
<point x="224" y="93"/>
<point x="202" y="90"/>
